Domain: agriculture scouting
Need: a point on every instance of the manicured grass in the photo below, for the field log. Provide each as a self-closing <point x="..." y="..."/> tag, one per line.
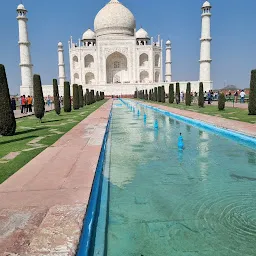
<point x="229" y="113"/>
<point x="29" y="129"/>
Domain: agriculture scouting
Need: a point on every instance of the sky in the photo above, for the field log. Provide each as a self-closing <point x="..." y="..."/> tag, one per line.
<point x="50" y="21"/>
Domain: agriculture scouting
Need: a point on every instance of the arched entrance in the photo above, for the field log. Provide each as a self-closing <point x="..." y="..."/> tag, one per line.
<point x="117" y="71"/>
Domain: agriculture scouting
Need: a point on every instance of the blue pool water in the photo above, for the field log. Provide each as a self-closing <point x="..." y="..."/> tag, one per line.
<point x="162" y="201"/>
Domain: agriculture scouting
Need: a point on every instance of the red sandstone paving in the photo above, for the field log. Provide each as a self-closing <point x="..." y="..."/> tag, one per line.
<point x="242" y="127"/>
<point x="43" y="204"/>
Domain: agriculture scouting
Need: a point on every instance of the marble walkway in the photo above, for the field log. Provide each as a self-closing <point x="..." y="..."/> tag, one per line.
<point x="242" y="127"/>
<point x="43" y="205"/>
<point x="18" y="114"/>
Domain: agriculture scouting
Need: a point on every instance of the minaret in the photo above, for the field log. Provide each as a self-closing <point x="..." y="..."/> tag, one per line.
<point x="205" y="54"/>
<point x="25" y="57"/>
<point x="62" y="75"/>
<point x="168" y="62"/>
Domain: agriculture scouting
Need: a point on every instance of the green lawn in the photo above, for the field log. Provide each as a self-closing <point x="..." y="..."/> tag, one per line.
<point x="32" y="137"/>
<point x="229" y="113"/>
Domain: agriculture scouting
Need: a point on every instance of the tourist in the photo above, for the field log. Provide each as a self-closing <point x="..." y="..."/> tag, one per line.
<point x="209" y="96"/>
<point x="229" y="95"/>
<point x="30" y="99"/>
<point x="205" y="96"/>
<point x="23" y="105"/>
<point x="236" y="96"/>
<point x="13" y="104"/>
<point x="182" y="96"/>
<point x="242" y="96"/>
<point x="48" y="100"/>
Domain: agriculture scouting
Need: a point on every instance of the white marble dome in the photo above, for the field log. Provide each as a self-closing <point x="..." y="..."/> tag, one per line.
<point x="206" y="4"/>
<point x="88" y="35"/>
<point x="60" y="44"/>
<point x="142" y="33"/>
<point x="21" y="7"/>
<point x="114" y="18"/>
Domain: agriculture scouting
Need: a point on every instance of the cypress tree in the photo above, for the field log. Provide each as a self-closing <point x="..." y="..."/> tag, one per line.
<point x="93" y="96"/>
<point x="149" y="94"/>
<point x="163" y="94"/>
<point x="201" y="95"/>
<point x="80" y="96"/>
<point x="155" y="94"/>
<point x="171" y="93"/>
<point x="252" y="95"/>
<point x="103" y="95"/>
<point x="85" y="103"/>
<point x="188" y="94"/>
<point x="75" y="97"/>
<point x="88" y="97"/>
<point x="146" y="95"/>
<point x="97" y="96"/>
<point x="67" y="99"/>
<point x="159" y="94"/>
<point x="7" y="118"/>
<point x="56" y="97"/>
<point x="177" y="93"/>
<point x="221" y="101"/>
<point x="39" y="107"/>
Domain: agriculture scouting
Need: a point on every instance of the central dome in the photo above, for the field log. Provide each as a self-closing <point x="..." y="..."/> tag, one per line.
<point x="114" y="18"/>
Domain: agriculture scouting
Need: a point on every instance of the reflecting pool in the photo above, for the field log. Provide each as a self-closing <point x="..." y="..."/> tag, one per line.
<point x="163" y="201"/>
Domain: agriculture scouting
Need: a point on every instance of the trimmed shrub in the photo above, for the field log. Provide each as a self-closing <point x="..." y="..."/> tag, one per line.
<point x="171" y="93"/>
<point x="136" y="94"/>
<point x="159" y="94"/>
<point x="97" y="96"/>
<point x="93" y="96"/>
<point x="39" y="107"/>
<point x="155" y="94"/>
<point x="221" y="101"/>
<point x="56" y="97"/>
<point x="201" y="95"/>
<point x="252" y="95"/>
<point x="188" y="95"/>
<point x="80" y="96"/>
<point x="163" y="94"/>
<point x="67" y="99"/>
<point x="146" y="95"/>
<point x="85" y="103"/>
<point x="7" y="118"/>
<point x="75" y="97"/>
<point x="88" y="97"/>
<point x="177" y="93"/>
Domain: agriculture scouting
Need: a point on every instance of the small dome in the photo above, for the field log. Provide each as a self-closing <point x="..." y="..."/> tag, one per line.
<point x="142" y="33"/>
<point x="206" y="4"/>
<point x="21" y="7"/>
<point x="168" y="42"/>
<point x="114" y="18"/>
<point x="88" y="35"/>
<point x="60" y="44"/>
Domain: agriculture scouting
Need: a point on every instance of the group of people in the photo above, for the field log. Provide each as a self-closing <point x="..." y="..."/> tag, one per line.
<point x="26" y="104"/>
<point x="211" y="96"/>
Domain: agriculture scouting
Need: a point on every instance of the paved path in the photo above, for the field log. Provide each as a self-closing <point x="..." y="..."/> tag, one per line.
<point x="18" y="114"/>
<point x="242" y="127"/>
<point x="43" y="205"/>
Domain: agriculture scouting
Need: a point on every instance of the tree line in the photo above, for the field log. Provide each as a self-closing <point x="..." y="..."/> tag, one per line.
<point x="80" y="99"/>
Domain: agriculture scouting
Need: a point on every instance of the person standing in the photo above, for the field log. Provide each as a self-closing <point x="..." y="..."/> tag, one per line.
<point x="242" y="96"/>
<point x="23" y="104"/>
<point x="209" y="95"/>
<point x="236" y="96"/>
<point x="13" y="104"/>
<point x="30" y="99"/>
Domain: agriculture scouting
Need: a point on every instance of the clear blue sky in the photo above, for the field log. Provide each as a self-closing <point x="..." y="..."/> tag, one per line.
<point x="51" y="21"/>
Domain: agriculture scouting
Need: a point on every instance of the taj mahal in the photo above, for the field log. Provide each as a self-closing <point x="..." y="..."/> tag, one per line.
<point x="115" y="57"/>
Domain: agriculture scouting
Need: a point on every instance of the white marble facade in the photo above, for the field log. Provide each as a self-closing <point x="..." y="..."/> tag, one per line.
<point x="118" y="59"/>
